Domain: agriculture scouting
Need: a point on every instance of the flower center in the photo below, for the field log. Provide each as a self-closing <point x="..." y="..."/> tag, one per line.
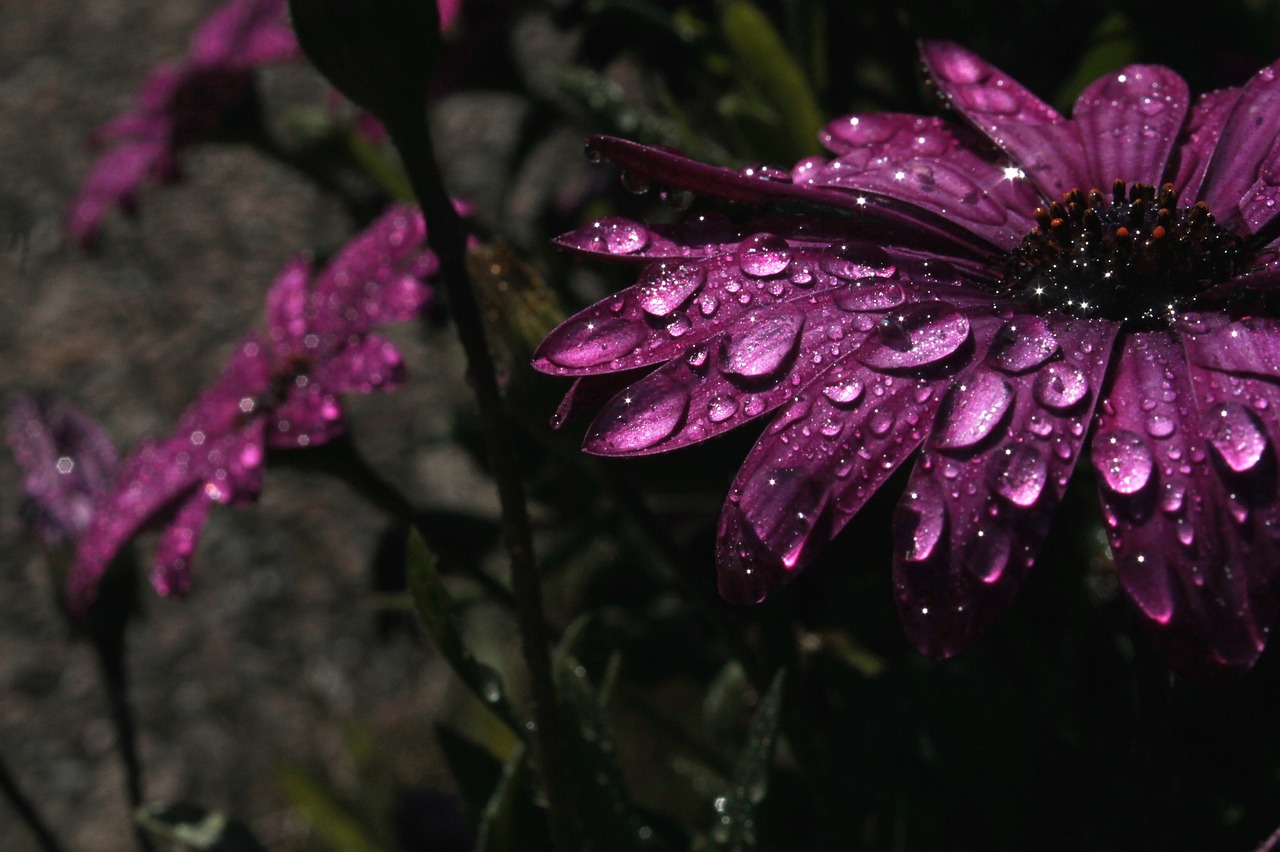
<point x="1136" y="256"/>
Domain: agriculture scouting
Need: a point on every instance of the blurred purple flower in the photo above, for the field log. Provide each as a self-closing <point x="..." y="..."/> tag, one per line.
<point x="68" y="464"/>
<point x="279" y="390"/>
<point x="177" y="104"/>
<point x="970" y="294"/>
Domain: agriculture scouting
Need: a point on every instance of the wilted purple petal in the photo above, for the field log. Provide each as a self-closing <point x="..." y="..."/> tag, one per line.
<point x="1118" y="148"/>
<point x="987" y="487"/>
<point x="1043" y="143"/>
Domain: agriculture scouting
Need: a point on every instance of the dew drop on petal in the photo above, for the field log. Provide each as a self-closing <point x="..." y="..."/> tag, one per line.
<point x="971" y="410"/>
<point x="852" y="262"/>
<point x="762" y="342"/>
<point x="847" y="392"/>
<point x="251" y="455"/>
<point x="990" y="554"/>
<point x="1023" y="344"/>
<point x="589" y="343"/>
<point x="763" y="255"/>
<point x="1019" y="474"/>
<point x="1123" y="460"/>
<point x="870" y="294"/>
<point x="621" y="236"/>
<point x="666" y="285"/>
<point x="1235" y="434"/>
<point x="918" y="335"/>
<point x="721" y="408"/>
<point x="920" y="520"/>
<point x="1060" y="386"/>
<point x="880" y="422"/>
<point x="640" y="416"/>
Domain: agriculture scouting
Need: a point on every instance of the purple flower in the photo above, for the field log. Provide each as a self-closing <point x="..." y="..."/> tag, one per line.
<point x="279" y="390"/>
<point x="178" y="104"/>
<point x="995" y="292"/>
<point x="68" y="464"/>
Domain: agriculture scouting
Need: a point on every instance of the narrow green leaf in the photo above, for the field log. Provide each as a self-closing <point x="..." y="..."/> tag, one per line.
<point x="762" y="58"/>
<point x="194" y="827"/>
<point x="476" y="770"/>
<point x="498" y="824"/>
<point x="337" y="827"/>
<point x="385" y="171"/>
<point x="736" y="809"/>
<point x="435" y="608"/>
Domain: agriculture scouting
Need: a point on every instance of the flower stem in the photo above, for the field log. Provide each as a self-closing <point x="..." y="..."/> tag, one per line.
<point x="448" y="237"/>
<point x="26" y="810"/>
<point x="111" y="663"/>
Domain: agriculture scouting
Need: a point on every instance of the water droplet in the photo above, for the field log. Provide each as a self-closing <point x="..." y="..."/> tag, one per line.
<point x="621" y="236"/>
<point x="847" y="392"/>
<point x="666" y="285"/>
<point x="678" y="324"/>
<point x="920" y="520"/>
<point x="639" y="417"/>
<point x="1023" y="344"/>
<point x="990" y="555"/>
<point x="880" y="422"/>
<point x="971" y="410"/>
<point x="918" y="335"/>
<point x="1060" y="386"/>
<point x="1160" y="425"/>
<point x="763" y="255"/>
<point x="1237" y="436"/>
<point x="1123" y="460"/>
<point x="251" y="455"/>
<point x="590" y="342"/>
<point x="721" y="408"/>
<point x="852" y="261"/>
<point x="1172" y="498"/>
<point x="870" y="295"/>
<point x="762" y="342"/>
<point x="1018" y="475"/>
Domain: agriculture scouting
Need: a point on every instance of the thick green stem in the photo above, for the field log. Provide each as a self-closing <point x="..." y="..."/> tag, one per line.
<point x="448" y="237"/>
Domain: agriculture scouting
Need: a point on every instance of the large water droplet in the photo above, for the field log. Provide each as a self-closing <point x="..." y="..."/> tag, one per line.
<point x="1235" y="433"/>
<point x="920" y="520"/>
<point x="1123" y="460"/>
<point x="971" y="410"/>
<point x="870" y="295"/>
<point x="760" y="343"/>
<point x="920" y="334"/>
<point x="640" y="416"/>
<point x="1023" y="344"/>
<point x="1018" y="475"/>
<point x="763" y="255"/>
<point x="990" y="554"/>
<point x="852" y="261"/>
<point x="721" y="408"/>
<point x="621" y="236"/>
<point x="667" y="285"/>
<point x="1060" y="386"/>
<point x="588" y="343"/>
<point x="846" y="392"/>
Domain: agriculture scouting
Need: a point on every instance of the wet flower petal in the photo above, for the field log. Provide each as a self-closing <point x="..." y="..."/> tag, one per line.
<point x="1241" y="156"/>
<point x="1117" y="147"/>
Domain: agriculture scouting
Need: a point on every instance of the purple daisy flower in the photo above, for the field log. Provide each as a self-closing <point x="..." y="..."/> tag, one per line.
<point x="995" y="292"/>
<point x="68" y="464"/>
<point x="177" y="104"/>
<point x="279" y="390"/>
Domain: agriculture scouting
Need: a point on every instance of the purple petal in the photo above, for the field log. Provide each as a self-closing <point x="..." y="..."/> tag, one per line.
<point x="1128" y="122"/>
<point x="747" y="370"/>
<point x="244" y="34"/>
<point x="676" y="306"/>
<point x="984" y="492"/>
<point x="309" y="415"/>
<point x="1166" y="512"/>
<point x="1249" y="347"/>
<point x="152" y="478"/>
<point x="919" y="161"/>
<point x="1243" y="163"/>
<point x="287" y="304"/>
<point x="1200" y="138"/>
<point x="113" y="181"/>
<point x="371" y="363"/>
<point x="171" y="573"/>
<point x="67" y="460"/>
<point x="590" y="392"/>
<point x="1038" y="139"/>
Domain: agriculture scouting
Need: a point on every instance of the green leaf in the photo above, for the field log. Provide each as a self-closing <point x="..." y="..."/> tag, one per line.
<point x="511" y="821"/>
<point x="332" y="820"/>
<point x="194" y="827"/>
<point x="763" y="59"/>
<point x="736" y="809"/>
<point x="436" y="609"/>
<point x="475" y="769"/>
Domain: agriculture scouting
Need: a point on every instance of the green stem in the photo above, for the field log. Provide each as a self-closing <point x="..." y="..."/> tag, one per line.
<point x="448" y="238"/>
